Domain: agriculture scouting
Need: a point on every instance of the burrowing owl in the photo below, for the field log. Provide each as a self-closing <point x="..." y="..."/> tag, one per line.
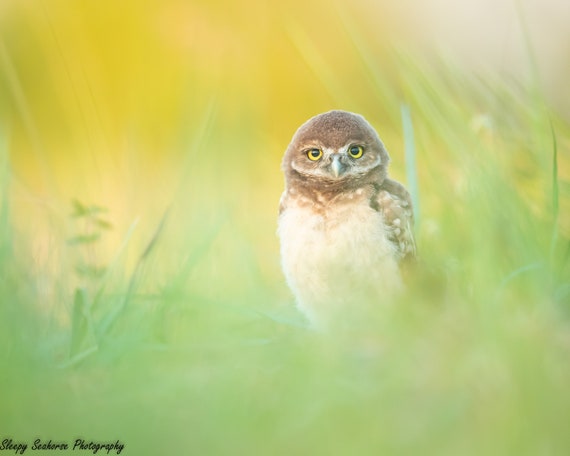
<point x="344" y="226"/>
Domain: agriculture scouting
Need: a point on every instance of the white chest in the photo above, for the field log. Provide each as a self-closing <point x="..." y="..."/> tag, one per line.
<point x="336" y="257"/>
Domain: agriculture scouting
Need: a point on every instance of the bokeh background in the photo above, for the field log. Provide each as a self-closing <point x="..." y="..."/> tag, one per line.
<point x="140" y="146"/>
<point x="135" y="107"/>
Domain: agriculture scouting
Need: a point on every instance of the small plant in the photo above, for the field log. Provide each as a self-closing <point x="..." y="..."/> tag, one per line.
<point x="93" y="226"/>
<point x="91" y="273"/>
<point x="95" y="313"/>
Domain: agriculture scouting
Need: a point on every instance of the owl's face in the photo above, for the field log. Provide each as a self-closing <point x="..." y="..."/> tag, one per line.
<point x="336" y="147"/>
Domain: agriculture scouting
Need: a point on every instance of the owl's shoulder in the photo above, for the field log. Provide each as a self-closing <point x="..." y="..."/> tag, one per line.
<point x="396" y="191"/>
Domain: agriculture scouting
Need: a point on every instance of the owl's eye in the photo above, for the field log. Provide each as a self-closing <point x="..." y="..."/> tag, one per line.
<point x="356" y="151"/>
<point x="314" y="154"/>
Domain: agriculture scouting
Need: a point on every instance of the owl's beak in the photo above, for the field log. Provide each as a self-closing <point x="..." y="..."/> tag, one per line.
<point x="336" y="165"/>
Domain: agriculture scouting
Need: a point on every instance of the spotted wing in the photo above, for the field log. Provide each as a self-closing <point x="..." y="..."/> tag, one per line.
<point x="395" y="203"/>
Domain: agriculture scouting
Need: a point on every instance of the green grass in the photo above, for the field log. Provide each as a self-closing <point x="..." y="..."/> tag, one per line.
<point x="184" y="340"/>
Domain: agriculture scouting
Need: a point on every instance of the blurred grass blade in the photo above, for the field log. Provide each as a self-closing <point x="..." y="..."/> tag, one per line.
<point x="196" y="254"/>
<point x="410" y="154"/>
<point x="370" y="61"/>
<point x="9" y="72"/>
<point x="152" y="243"/>
<point x="285" y="320"/>
<point x="198" y="141"/>
<point x="100" y="329"/>
<point x="82" y="329"/>
<point x="5" y="227"/>
<point x="107" y="323"/>
<point x="531" y="55"/>
<point x="517" y="272"/>
<point x="114" y="262"/>
<point x="555" y="194"/>
<point x="555" y="189"/>
<point x="79" y="357"/>
<point x="314" y="60"/>
<point x="84" y="239"/>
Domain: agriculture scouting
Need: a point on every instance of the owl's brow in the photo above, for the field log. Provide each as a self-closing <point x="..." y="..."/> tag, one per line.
<point x="311" y="145"/>
<point x="358" y="142"/>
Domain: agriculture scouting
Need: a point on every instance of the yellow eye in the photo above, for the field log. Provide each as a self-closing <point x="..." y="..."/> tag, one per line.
<point x="355" y="151"/>
<point x="314" y="154"/>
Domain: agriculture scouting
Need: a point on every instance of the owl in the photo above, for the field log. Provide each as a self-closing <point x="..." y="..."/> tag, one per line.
<point x="345" y="227"/>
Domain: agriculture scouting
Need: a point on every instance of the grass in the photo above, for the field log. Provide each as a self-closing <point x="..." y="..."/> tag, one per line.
<point x="156" y="314"/>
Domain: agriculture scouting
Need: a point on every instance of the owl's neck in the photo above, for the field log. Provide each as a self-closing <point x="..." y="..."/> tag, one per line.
<point x="324" y="191"/>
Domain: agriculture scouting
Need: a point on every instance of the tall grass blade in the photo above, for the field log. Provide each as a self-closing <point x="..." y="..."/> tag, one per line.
<point x="314" y="60"/>
<point x="518" y="272"/>
<point x="529" y="48"/>
<point x="555" y="192"/>
<point x="82" y="329"/>
<point x="106" y="325"/>
<point x="5" y="230"/>
<point x="198" y="141"/>
<point x="410" y="154"/>
<point x="8" y="69"/>
<point x="198" y="252"/>
<point x="113" y="264"/>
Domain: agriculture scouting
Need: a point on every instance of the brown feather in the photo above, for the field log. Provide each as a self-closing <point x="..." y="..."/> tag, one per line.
<point x="395" y="203"/>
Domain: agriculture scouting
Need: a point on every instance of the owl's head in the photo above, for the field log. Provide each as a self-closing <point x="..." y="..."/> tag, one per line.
<point x="333" y="149"/>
